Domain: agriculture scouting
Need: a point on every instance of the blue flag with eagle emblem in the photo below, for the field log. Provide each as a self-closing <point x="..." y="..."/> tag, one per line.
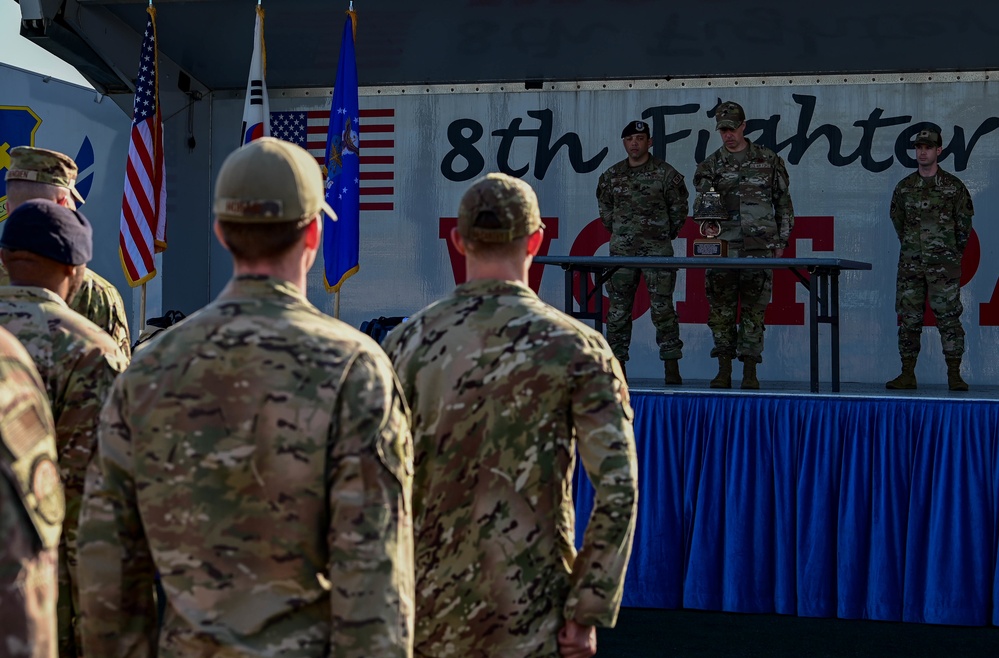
<point x="341" y="238"/>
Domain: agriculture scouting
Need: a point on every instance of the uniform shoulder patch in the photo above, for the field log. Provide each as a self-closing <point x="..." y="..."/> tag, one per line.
<point x="45" y="485"/>
<point x="23" y="430"/>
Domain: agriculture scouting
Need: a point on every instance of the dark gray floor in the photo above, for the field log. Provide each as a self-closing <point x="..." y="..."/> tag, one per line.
<point x="642" y="633"/>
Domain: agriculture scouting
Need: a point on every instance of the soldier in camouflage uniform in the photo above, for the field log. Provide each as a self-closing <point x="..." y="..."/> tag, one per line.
<point x="36" y="173"/>
<point x="503" y="390"/>
<point x="45" y="247"/>
<point x="753" y="183"/>
<point x="31" y="508"/>
<point x="257" y="456"/>
<point x="643" y="203"/>
<point x="931" y="211"/>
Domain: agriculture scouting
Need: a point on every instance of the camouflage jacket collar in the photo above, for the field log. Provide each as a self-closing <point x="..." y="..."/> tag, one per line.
<point x="940" y="177"/>
<point x="261" y="287"/>
<point x="492" y="288"/>
<point x="31" y="294"/>
<point x="752" y="152"/>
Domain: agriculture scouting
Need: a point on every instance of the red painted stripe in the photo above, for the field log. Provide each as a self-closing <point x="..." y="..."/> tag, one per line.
<point x="381" y="112"/>
<point x="377" y="175"/>
<point x="377" y="159"/>
<point x="377" y="206"/>
<point x="377" y="128"/>
<point x="377" y="191"/>
<point x="378" y="144"/>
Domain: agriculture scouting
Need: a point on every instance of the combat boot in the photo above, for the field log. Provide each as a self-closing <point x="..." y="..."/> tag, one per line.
<point x="724" y="377"/>
<point x="907" y="380"/>
<point x="954" y="381"/>
<point x="673" y="372"/>
<point x="749" y="380"/>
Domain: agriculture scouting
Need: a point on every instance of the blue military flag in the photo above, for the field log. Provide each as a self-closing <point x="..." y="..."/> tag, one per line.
<point x="341" y="238"/>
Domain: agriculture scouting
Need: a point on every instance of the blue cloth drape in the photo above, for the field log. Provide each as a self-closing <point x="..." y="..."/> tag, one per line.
<point x="822" y="507"/>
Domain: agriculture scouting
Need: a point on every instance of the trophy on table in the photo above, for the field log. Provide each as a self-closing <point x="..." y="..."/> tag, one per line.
<point x="709" y="213"/>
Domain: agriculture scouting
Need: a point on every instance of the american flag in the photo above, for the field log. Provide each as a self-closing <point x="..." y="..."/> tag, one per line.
<point x="143" y="205"/>
<point x="309" y="128"/>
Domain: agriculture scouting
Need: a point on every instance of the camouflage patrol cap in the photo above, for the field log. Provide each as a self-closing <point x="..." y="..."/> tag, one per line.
<point x="729" y="115"/>
<point x="636" y="128"/>
<point x="929" y="138"/>
<point x="45" y="228"/>
<point x="269" y="181"/>
<point x="498" y="208"/>
<point x="43" y="166"/>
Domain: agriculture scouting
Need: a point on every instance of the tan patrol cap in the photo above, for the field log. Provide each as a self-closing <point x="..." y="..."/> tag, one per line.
<point x="498" y="208"/>
<point x="270" y="181"/>
<point x="43" y="166"/>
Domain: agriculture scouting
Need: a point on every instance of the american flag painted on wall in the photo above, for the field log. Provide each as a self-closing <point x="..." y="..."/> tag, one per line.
<point x="308" y="129"/>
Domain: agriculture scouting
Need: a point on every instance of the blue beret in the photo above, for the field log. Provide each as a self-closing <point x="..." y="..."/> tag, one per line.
<point x="45" y="228"/>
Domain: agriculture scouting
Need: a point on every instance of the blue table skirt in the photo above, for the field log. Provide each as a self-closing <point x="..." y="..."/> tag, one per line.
<point x="821" y="507"/>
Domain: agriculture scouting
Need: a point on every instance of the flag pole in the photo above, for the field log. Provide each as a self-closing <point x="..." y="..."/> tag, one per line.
<point x="142" y="308"/>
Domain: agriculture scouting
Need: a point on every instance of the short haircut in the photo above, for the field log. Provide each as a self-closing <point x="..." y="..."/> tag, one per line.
<point x="256" y="242"/>
<point x="517" y="248"/>
<point x="19" y="191"/>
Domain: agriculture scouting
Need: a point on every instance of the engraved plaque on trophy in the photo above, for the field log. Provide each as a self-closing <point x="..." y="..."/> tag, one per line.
<point x="709" y="213"/>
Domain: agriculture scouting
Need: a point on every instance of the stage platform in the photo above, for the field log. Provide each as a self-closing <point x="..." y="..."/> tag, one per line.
<point x="642" y="386"/>
<point x="862" y="504"/>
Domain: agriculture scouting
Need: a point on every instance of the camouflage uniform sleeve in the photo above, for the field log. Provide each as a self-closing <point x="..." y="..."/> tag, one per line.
<point x="705" y="175"/>
<point x="371" y="529"/>
<point x="605" y="201"/>
<point x="963" y="212"/>
<point x="117" y="602"/>
<point x="897" y="211"/>
<point x="31" y="509"/>
<point x="678" y="202"/>
<point x="602" y="417"/>
<point x="783" y="209"/>
<point x="86" y="390"/>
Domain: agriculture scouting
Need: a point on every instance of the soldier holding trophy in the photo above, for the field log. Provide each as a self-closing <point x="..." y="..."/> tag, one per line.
<point x="751" y="184"/>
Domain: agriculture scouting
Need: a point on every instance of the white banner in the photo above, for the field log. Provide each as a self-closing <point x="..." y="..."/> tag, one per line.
<point x="846" y="145"/>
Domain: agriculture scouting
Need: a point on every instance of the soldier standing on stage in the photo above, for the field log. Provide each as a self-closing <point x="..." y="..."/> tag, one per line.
<point x="257" y="456"/>
<point x="31" y="508"/>
<point x="753" y="183"/>
<point x="36" y="173"/>
<point x="643" y="203"/>
<point x="46" y="247"/>
<point x="504" y="389"/>
<point x="931" y="211"/>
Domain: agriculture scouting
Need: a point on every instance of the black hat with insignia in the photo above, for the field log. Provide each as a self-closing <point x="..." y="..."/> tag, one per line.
<point x="636" y="128"/>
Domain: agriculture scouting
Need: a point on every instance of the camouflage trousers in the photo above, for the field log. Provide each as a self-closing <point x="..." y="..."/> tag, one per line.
<point x="738" y="332"/>
<point x="940" y="285"/>
<point x="621" y="290"/>
<point x="68" y="601"/>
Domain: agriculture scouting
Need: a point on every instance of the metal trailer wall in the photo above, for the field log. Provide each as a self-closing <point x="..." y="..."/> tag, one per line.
<point x="40" y="111"/>
<point x="845" y="139"/>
